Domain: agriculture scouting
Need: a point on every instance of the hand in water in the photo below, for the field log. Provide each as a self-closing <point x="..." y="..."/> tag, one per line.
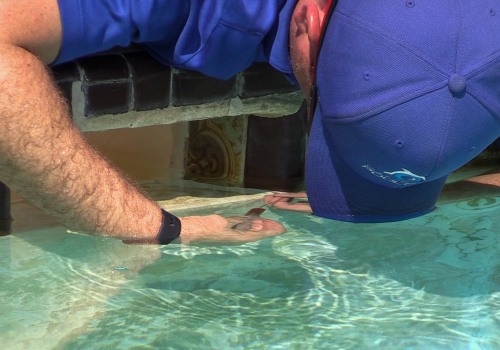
<point x="234" y="229"/>
<point x="289" y="201"/>
<point x="217" y="229"/>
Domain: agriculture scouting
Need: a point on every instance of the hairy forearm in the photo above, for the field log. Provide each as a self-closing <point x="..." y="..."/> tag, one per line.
<point x="44" y="157"/>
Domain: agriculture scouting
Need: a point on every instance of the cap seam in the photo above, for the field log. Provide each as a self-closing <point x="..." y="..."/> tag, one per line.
<point x="395" y="40"/>
<point x="475" y="95"/>
<point x="484" y="65"/>
<point x="457" y="45"/>
<point x="480" y="69"/>
<point x="384" y="107"/>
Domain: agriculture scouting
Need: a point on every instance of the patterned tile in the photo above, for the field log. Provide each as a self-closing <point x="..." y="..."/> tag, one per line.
<point x="216" y="150"/>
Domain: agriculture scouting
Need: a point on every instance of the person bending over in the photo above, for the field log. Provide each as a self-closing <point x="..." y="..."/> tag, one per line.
<point x="400" y="94"/>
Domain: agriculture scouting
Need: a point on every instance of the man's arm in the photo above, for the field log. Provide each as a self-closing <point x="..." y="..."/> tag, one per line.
<point x="45" y="158"/>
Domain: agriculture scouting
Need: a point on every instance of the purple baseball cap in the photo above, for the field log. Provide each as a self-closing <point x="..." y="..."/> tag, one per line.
<point x="408" y="91"/>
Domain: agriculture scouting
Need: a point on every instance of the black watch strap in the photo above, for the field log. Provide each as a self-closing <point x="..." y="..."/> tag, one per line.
<point x="170" y="228"/>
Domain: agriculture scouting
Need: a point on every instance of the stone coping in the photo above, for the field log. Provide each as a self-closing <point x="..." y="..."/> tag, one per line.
<point x="186" y="194"/>
<point x="131" y="89"/>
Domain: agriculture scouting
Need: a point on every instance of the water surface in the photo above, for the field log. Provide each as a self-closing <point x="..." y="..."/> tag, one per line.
<point x="426" y="283"/>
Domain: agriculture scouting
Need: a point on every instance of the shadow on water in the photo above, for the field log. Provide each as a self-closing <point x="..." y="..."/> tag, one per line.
<point x="453" y="251"/>
<point x="315" y="284"/>
<point x="251" y="268"/>
<point x="196" y="295"/>
<point x="230" y="271"/>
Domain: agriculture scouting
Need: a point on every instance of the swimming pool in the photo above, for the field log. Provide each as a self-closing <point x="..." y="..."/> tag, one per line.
<point x="426" y="283"/>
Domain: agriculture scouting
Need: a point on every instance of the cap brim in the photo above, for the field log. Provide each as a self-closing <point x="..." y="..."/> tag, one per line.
<point x="337" y="192"/>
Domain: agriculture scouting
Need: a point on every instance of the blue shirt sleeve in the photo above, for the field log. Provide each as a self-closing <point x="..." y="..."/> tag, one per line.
<point x="216" y="37"/>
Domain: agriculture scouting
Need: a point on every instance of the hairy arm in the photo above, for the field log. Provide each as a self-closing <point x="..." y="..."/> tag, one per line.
<point x="45" y="158"/>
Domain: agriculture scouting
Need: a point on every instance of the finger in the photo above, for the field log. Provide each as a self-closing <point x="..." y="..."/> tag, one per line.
<point x="271" y="200"/>
<point x="301" y="207"/>
<point x="290" y="194"/>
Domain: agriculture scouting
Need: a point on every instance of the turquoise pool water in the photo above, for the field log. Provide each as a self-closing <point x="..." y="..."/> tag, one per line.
<point x="427" y="283"/>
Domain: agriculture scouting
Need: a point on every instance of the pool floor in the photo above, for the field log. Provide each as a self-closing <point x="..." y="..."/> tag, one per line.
<point x="427" y="283"/>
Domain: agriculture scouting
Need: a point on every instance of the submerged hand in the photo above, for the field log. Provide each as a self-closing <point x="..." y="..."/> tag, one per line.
<point x="235" y="229"/>
<point x="289" y="201"/>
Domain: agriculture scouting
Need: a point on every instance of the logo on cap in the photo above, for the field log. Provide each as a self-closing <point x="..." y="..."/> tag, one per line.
<point x="402" y="177"/>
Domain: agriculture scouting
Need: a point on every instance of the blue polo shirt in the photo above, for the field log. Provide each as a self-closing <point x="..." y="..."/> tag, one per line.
<point x="218" y="38"/>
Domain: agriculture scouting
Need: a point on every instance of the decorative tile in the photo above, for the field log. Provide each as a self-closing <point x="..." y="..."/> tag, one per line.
<point x="216" y="151"/>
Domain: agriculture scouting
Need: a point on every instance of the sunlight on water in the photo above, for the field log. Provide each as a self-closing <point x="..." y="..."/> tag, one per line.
<point x="426" y="283"/>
